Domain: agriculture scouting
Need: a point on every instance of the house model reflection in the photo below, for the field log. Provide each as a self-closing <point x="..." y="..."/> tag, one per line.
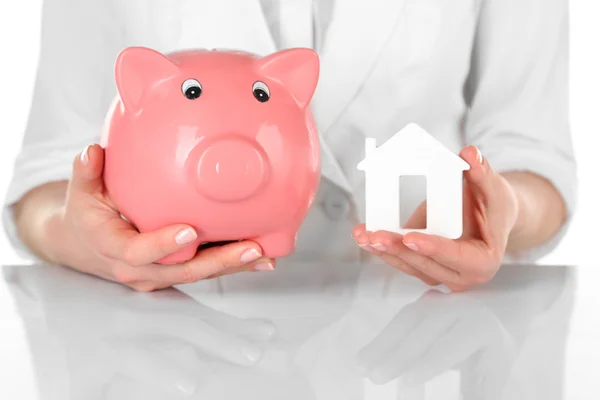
<point x="413" y="152"/>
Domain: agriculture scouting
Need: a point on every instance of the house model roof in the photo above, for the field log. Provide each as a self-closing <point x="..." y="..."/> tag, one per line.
<point x="411" y="151"/>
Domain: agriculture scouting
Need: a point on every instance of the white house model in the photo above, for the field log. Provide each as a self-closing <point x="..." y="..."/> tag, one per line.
<point x="413" y="151"/>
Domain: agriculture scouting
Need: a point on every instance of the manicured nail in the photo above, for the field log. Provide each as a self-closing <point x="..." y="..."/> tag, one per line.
<point x="266" y="266"/>
<point x="366" y="247"/>
<point x="85" y="157"/>
<point x="186" y="387"/>
<point x="186" y="236"/>
<point x="379" y="247"/>
<point x="268" y="330"/>
<point x="250" y="255"/>
<point x="411" y="246"/>
<point x="251" y="353"/>
<point x="479" y="156"/>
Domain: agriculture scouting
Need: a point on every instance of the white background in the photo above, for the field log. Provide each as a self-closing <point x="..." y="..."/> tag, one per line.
<point x="19" y="46"/>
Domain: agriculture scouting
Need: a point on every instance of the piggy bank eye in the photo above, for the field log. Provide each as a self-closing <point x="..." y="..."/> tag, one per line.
<point x="261" y="91"/>
<point x="191" y="89"/>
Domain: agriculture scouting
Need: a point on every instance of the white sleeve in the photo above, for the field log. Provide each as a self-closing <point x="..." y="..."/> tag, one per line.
<point x="72" y="93"/>
<point x="517" y="94"/>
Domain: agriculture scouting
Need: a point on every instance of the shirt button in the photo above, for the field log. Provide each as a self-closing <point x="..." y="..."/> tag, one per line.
<point x="336" y="206"/>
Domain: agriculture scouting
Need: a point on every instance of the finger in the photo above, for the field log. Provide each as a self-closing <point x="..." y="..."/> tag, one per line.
<point x="87" y="172"/>
<point x="232" y="271"/>
<point x="410" y="350"/>
<point x="469" y="258"/>
<point x="407" y="319"/>
<point x="254" y="329"/>
<point x="484" y="183"/>
<point x="205" y="336"/>
<point x="452" y="347"/>
<point x="438" y="272"/>
<point x="479" y="168"/>
<point x="358" y="229"/>
<point x="151" y="277"/>
<point x="137" y="249"/>
<point x="159" y="305"/>
<point x="210" y="262"/>
<point x="362" y="240"/>
<point x="394" y="246"/>
<point x="262" y="264"/>
<point x="407" y="269"/>
<point x="370" y="356"/>
<point x="250" y="328"/>
<point x="149" y="367"/>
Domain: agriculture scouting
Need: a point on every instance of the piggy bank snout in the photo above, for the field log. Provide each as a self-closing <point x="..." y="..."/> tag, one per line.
<point x="231" y="168"/>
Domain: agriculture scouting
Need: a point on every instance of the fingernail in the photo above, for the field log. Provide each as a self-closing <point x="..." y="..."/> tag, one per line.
<point x="411" y="246"/>
<point x="186" y="236"/>
<point x="250" y="255"/>
<point x="479" y="156"/>
<point x="85" y="158"/>
<point x="379" y="246"/>
<point x="186" y="387"/>
<point x="264" y="267"/>
<point x="251" y="353"/>
<point x="258" y="329"/>
<point x="269" y="330"/>
<point x="366" y="247"/>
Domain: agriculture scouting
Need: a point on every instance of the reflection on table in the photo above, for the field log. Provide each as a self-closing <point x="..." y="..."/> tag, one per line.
<point x="307" y="331"/>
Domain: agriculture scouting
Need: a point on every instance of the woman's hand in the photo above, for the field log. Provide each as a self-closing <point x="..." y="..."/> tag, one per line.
<point x="490" y="213"/>
<point x="88" y="234"/>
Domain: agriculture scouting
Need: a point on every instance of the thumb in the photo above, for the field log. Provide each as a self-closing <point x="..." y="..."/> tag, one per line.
<point x="480" y="175"/>
<point x="484" y="185"/>
<point x="87" y="171"/>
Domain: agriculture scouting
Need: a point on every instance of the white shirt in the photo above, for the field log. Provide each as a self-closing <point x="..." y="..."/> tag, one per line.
<point x="492" y="73"/>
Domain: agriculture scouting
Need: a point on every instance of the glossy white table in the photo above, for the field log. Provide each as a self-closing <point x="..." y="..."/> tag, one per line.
<point x="314" y="331"/>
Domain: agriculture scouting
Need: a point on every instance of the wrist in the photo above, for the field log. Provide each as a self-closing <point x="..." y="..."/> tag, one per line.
<point x="540" y="211"/>
<point x="521" y="205"/>
<point x="38" y="216"/>
<point x="520" y="221"/>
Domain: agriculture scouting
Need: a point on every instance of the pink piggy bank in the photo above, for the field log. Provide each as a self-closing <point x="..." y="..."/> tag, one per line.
<point x="221" y="140"/>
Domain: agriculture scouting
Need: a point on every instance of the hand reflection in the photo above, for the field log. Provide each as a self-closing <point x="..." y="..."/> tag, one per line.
<point x="436" y="333"/>
<point x="178" y="352"/>
<point x="98" y="340"/>
<point x="121" y="344"/>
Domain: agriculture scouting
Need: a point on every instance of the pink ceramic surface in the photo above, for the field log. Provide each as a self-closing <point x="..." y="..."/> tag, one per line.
<point x="221" y="140"/>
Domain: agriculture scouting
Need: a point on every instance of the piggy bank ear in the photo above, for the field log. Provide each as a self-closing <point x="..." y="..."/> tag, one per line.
<point x="138" y="69"/>
<point x="296" y="69"/>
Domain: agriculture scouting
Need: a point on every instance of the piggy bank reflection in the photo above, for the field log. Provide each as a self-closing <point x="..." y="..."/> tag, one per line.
<point x="221" y="140"/>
